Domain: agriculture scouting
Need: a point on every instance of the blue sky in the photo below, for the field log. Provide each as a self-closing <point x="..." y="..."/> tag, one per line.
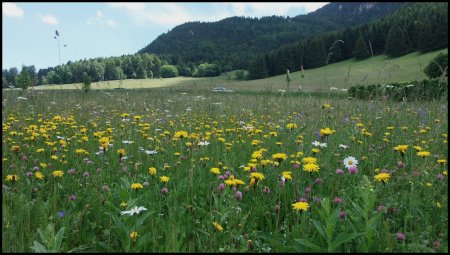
<point x="109" y="29"/>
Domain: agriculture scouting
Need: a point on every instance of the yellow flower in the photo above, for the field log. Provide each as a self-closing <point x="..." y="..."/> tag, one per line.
<point x="124" y="204"/>
<point x="215" y="170"/>
<point x="164" y="178"/>
<point x="12" y="177"/>
<point x="326" y="131"/>
<point x="301" y="206"/>
<point x="401" y="148"/>
<point x="39" y="175"/>
<point x="54" y="157"/>
<point x="418" y="148"/>
<point x="442" y="161"/>
<point x="279" y="156"/>
<point x="181" y="134"/>
<point x="383" y="177"/>
<point x="40" y="150"/>
<point x="315" y="150"/>
<point x="257" y="176"/>
<point x="121" y="152"/>
<point x="311" y="168"/>
<point x="309" y="160"/>
<point x="287" y="175"/>
<point x="218" y="226"/>
<point x="57" y="173"/>
<point x="423" y="153"/>
<point x="291" y="126"/>
<point x="137" y="186"/>
<point x="134" y="234"/>
<point x="438" y="205"/>
<point x="152" y="170"/>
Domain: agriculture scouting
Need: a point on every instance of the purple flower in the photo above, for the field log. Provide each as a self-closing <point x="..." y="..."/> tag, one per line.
<point x="342" y="214"/>
<point x="338" y="200"/>
<point x="221" y="177"/>
<point x="164" y="190"/>
<point x="266" y="190"/>
<point x="71" y="171"/>
<point x="381" y="208"/>
<point x="105" y="188"/>
<point x="437" y="244"/>
<point x="440" y="177"/>
<point x="24" y="157"/>
<point x="303" y="199"/>
<point x="295" y="166"/>
<point x="61" y="214"/>
<point x="72" y="197"/>
<point x="400" y="236"/>
<point x="307" y="190"/>
<point x="339" y="171"/>
<point x="221" y="187"/>
<point x="353" y="170"/>
<point x="400" y="164"/>
<point x="29" y="174"/>
<point x="35" y="168"/>
<point x="318" y="181"/>
<point x="316" y="199"/>
<point x="238" y="195"/>
<point x="86" y="174"/>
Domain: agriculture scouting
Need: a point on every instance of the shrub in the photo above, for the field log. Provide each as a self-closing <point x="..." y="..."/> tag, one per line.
<point x="168" y="71"/>
<point x="437" y="66"/>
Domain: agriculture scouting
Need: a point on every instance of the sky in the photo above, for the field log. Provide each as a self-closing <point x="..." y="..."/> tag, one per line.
<point x="90" y="30"/>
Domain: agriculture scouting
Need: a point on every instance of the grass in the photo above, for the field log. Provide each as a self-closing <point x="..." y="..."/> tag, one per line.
<point x="81" y="210"/>
<point x="377" y="70"/>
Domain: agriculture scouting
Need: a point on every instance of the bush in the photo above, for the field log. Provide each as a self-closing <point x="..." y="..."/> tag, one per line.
<point x="437" y="66"/>
<point x="208" y="70"/>
<point x="168" y="71"/>
<point x="415" y="90"/>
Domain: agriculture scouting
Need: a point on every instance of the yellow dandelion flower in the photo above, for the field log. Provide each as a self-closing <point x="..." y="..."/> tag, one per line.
<point x="152" y="170"/>
<point x="287" y="175"/>
<point x="12" y="177"/>
<point x="39" y="175"/>
<point x="301" y="206"/>
<point x="311" y="168"/>
<point x="383" y="177"/>
<point x="215" y="170"/>
<point x="137" y="186"/>
<point x="309" y="160"/>
<point x="164" y="178"/>
<point x="257" y="176"/>
<point x="218" y="226"/>
<point x="291" y="126"/>
<point x="423" y="153"/>
<point x="134" y="234"/>
<point x="57" y="173"/>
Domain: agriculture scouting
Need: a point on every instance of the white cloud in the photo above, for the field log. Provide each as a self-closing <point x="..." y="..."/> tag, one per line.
<point x="48" y="19"/>
<point x="111" y="23"/>
<point x="172" y="14"/>
<point x="11" y="10"/>
<point x="100" y="19"/>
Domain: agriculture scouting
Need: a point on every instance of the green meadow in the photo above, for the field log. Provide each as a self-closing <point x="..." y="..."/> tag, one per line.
<point x="377" y="70"/>
<point x="181" y="169"/>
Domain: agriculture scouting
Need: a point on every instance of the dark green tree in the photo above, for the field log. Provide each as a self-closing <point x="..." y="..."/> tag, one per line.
<point x="24" y="78"/>
<point x="425" y="42"/>
<point x="168" y="71"/>
<point x="361" y="50"/>
<point x="86" y="83"/>
<point x="397" y="43"/>
<point x="258" y="69"/>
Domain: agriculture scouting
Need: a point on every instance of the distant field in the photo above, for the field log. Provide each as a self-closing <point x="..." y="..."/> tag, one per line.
<point x="379" y="69"/>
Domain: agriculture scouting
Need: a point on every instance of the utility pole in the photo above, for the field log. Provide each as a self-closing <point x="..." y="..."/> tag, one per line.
<point x="59" y="53"/>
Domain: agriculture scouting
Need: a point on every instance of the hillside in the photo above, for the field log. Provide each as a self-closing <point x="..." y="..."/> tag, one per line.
<point x="379" y="69"/>
<point x="233" y="42"/>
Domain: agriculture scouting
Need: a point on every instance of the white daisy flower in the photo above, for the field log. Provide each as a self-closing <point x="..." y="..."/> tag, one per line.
<point x="319" y="144"/>
<point x="343" y="146"/>
<point x="149" y="152"/>
<point x="204" y="143"/>
<point x="135" y="210"/>
<point x="127" y="142"/>
<point x="350" y="162"/>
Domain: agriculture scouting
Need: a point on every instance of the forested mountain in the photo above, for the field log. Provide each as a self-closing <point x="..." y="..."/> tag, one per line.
<point x="233" y="42"/>
<point x="334" y="16"/>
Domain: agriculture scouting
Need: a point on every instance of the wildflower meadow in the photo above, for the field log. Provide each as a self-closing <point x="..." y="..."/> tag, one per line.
<point x="173" y="170"/>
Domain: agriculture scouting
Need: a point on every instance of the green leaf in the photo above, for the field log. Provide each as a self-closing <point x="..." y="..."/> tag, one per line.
<point x="319" y="228"/>
<point x="343" y="238"/>
<point x="38" y="247"/>
<point x="59" y="238"/>
<point x="308" y="244"/>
